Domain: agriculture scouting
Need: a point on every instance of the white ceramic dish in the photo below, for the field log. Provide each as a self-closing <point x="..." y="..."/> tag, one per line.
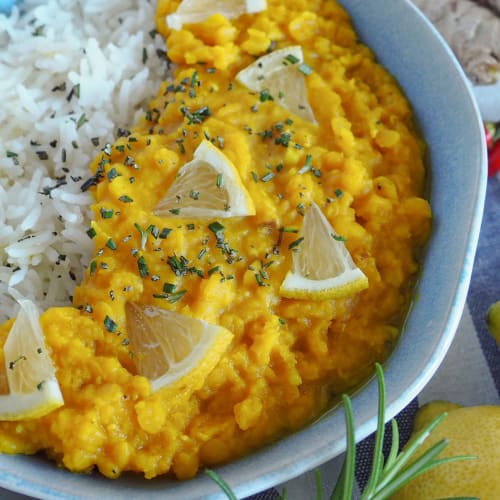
<point x="448" y="116"/>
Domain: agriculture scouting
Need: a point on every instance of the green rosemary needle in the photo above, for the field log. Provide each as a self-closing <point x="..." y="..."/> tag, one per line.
<point x="386" y="477"/>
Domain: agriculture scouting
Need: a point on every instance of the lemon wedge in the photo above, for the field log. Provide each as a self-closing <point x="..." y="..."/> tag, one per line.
<point x="281" y="76"/>
<point x="322" y="266"/>
<point x="29" y="371"/>
<point x="197" y="11"/>
<point x="207" y="186"/>
<point x="170" y="347"/>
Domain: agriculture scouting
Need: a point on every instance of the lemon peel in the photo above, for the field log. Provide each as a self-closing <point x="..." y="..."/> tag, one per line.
<point x="197" y="11"/>
<point x="171" y="348"/>
<point x="282" y="75"/>
<point x="30" y="374"/>
<point x="493" y="320"/>
<point x="471" y="431"/>
<point x="207" y="186"/>
<point x="322" y="266"/>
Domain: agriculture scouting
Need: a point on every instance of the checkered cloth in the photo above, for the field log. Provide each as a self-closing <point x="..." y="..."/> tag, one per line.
<point x="469" y="374"/>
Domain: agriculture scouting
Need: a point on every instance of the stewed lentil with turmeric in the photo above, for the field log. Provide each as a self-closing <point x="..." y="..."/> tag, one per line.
<point x="288" y="358"/>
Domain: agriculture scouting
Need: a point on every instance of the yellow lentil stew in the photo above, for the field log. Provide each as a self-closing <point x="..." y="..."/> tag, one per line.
<point x="288" y="358"/>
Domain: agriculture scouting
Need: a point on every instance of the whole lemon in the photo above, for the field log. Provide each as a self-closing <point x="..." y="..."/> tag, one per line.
<point x="493" y="320"/>
<point x="471" y="430"/>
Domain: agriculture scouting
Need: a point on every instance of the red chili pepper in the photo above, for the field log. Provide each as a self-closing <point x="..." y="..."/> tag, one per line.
<point x="494" y="159"/>
<point x="489" y="132"/>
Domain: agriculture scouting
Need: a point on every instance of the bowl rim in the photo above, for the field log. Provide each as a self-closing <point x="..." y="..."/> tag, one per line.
<point x="252" y="474"/>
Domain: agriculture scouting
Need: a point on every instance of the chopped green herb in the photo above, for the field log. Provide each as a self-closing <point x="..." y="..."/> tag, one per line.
<point x="81" y="121"/>
<point x="143" y="267"/>
<point x="259" y="280"/>
<point x="12" y="364"/>
<point x="91" y="233"/>
<point x="216" y="227"/>
<point x="110" y="325"/>
<point x="59" y="88"/>
<point x="168" y="287"/>
<point x="125" y="199"/>
<point x="267" y="177"/>
<point x="294" y="244"/>
<point x="179" y="265"/>
<point x="213" y="270"/>
<point x="112" y="174"/>
<point x="255" y="176"/>
<point x="93" y="267"/>
<point x="175" y="297"/>
<point x="336" y="237"/>
<point x="197" y="116"/>
<point x="265" y="96"/>
<point x="42" y="155"/>
<point x="194" y="80"/>
<point x="290" y="59"/>
<point x="144" y="234"/>
<point x="305" y="69"/>
<point x="220" y="181"/>
<point x="283" y="139"/>
<point x="111" y="244"/>
<point x="164" y="233"/>
<point x="107" y="213"/>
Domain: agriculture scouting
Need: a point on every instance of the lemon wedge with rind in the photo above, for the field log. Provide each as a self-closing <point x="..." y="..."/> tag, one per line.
<point x="33" y="387"/>
<point x="197" y="11"/>
<point x="282" y="74"/>
<point x="207" y="186"/>
<point x="322" y="266"/>
<point x="169" y="347"/>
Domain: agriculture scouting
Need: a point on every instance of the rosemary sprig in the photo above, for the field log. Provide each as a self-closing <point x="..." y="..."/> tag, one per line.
<point x="222" y="484"/>
<point x="386" y="477"/>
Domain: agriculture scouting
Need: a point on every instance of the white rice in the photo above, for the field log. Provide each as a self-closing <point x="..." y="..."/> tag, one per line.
<point x="49" y="49"/>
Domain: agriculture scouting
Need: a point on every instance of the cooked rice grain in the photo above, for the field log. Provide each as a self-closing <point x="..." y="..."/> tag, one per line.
<point x="71" y="73"/>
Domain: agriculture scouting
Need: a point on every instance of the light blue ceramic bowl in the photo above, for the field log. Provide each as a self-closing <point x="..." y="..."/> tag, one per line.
<point x="412" y="50"/>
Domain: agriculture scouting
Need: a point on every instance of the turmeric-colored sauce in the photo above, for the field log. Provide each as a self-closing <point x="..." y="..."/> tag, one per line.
<point x="288" y="358"/>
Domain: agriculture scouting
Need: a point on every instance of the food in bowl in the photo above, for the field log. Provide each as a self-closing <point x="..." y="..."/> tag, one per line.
<point x="256" y="357"/>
